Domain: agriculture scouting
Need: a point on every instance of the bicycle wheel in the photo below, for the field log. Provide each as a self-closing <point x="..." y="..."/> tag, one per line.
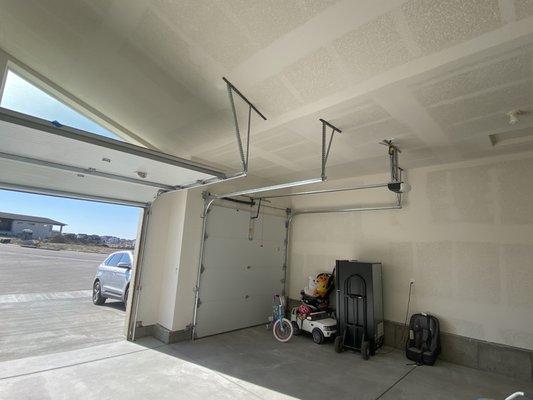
<point x="282" y="330"/>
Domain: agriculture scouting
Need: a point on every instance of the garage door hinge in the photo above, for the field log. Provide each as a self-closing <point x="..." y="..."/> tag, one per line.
<point x="199" y="303"/>
<point x="285" y="242"/>
<point x="202" y="269"/>
<point x="284" y="267"/>
<point x="282" y="280"/>
<point x="206" y="236"/>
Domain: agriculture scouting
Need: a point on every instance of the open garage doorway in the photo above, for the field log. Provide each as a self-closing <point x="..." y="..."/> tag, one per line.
<point x="54" y="254"/>
<point x="53" y="144"/>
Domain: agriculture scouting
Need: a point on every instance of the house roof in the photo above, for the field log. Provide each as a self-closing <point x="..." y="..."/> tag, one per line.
<point x="30" y="218"/>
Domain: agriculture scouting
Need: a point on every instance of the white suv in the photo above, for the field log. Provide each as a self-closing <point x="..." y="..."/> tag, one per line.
<point x="112" y="280"/>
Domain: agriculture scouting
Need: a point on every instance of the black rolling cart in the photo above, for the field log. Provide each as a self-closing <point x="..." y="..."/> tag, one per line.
<point x="359" y="307"/>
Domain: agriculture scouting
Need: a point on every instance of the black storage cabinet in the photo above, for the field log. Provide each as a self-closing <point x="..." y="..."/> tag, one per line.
<point x="371" y="273"/>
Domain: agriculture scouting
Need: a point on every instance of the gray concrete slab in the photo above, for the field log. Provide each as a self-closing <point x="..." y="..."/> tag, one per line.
<point x="28" y="270"/>
<point x="247" y="364"/>
<point x="445" y="381"/>
<point x="45" y="303"/>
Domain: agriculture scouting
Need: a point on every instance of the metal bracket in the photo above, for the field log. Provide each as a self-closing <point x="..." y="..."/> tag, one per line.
<point x="325" y="151"/>
<point x="258" y="210"/>
<point x="396" y="183"/>
<point x="393" y="151"/>
<point x="245" y="155"/>
<point x="325" y="154"/>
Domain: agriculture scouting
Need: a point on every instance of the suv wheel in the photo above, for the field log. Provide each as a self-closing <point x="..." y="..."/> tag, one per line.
<point x="98" y="299"/>
<point x="126" y="294"/>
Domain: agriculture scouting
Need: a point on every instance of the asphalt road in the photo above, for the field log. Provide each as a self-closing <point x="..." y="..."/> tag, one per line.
<point x="45" y="303"/>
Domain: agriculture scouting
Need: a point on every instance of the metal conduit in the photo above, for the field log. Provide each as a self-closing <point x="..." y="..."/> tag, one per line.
<point x="345" y="210"/>
<point x="311" y="192"/>
<point x="268" y="188"/>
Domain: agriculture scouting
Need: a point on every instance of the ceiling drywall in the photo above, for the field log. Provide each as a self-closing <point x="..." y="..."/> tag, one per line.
<point x="439" y="76"/>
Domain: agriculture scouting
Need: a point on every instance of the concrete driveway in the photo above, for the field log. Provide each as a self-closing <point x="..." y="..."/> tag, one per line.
<point x="45" y="303"/>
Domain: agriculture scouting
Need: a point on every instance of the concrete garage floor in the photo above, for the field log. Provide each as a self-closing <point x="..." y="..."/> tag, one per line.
<point x="45" y="303"/>
<point x="246" y="364"/>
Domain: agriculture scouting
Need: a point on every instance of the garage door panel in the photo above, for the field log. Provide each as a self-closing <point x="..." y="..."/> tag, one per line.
<point x="229" y="251"/>
<point x="231" y="314"/>
<point x="42" y="145"/>
<point x="38" y="156"/>
<point x="228" y="223"/>
<point x="242" y="282"/>
<point x="240" y="275"/>
<point x="15" y="173"/>
<point x="271" y="228"/>
<point x="265" y="228"/>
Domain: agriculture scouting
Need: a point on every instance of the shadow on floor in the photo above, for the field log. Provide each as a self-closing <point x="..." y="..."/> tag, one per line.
<point x="256" y="362"/>
<point x="114" y="304"/>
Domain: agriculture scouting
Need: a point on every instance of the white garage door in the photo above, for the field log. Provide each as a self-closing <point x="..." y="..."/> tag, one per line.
<point x="240" y="275"/>
<point x="38" y="156"/>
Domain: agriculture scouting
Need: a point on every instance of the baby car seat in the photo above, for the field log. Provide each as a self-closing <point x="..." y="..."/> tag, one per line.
<point x="423" y="344"/>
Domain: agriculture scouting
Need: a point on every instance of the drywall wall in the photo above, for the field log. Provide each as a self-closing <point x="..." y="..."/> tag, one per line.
<point x="160" y="261"/>
<point x="465" y="236"/>
<point x="188" y="262"/>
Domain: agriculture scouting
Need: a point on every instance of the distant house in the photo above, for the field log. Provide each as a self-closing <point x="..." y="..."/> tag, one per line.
<point x="15" y="224"/>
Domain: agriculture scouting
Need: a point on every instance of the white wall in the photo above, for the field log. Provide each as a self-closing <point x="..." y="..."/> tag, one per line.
<point x="188" y="262"/>
<point x="171" y="260"/>
<point x="160" y="261"/>
<point x="40" y="231"/>
<point x="465" y="235"/>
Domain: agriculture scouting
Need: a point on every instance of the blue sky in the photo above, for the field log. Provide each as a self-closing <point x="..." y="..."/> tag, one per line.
<point x="20" y="95"/>
<point x="81" y="216"/>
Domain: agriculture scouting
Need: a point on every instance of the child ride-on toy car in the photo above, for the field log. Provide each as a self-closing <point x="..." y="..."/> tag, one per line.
<point x="319" y="324"/>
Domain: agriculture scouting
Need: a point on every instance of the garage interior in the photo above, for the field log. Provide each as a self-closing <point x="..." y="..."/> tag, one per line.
<point x="265" y="140"/>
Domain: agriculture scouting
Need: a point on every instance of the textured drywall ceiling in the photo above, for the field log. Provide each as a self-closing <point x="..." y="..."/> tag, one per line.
<point x="438" y="76"/>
